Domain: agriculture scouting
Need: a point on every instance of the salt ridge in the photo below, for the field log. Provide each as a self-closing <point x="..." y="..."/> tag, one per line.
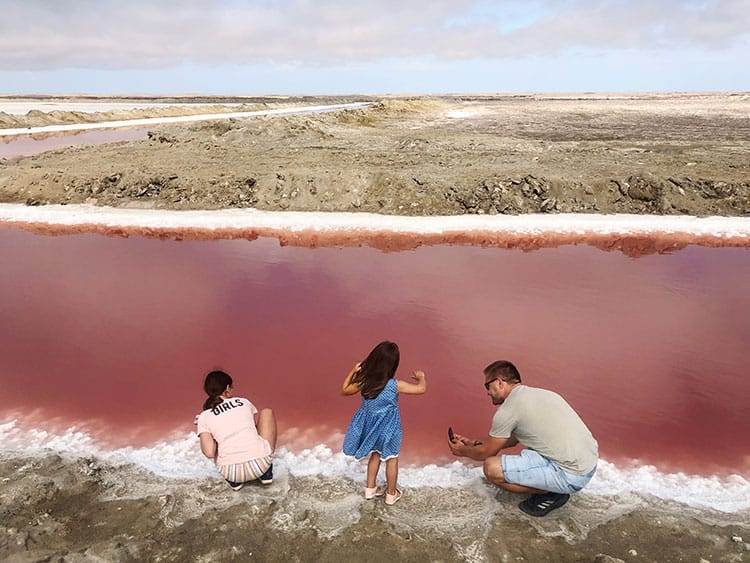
<point x="292" y="221"/>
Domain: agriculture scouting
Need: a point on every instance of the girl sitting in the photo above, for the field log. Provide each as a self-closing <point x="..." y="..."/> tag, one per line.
<point x="229" y="434"/>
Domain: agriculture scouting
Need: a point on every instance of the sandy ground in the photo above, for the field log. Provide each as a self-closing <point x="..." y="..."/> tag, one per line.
<point x="662" y="154"/>
<point x="56" y="509"/>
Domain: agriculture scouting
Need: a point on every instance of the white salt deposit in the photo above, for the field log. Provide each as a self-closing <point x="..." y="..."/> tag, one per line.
<point x="461" y="113"/>
<point x="181" y="459"/>
<point x="22" y="107"/>
<point x="578" y="224"/>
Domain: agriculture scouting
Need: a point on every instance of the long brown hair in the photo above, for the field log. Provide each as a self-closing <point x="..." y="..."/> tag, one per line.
<point x="377" y="368"/>
<point x="215" y="384"/>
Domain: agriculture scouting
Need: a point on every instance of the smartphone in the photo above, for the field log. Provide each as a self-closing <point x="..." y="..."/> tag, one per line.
<point x="451" y="436"/>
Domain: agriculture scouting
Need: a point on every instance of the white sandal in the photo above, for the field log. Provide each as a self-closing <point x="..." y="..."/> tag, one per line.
<point x="393" y="499"/>
<point x="372" y="492"/>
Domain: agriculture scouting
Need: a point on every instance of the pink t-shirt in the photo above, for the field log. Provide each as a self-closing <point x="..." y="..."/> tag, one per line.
<point x="232" y="425"/>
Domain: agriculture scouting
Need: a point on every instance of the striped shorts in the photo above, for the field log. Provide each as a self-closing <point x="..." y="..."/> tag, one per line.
<point x="247" y="471"/>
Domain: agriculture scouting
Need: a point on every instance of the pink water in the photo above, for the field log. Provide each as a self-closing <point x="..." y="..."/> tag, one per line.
<point x="27" y="145"/>
<point x="115" y="335"/>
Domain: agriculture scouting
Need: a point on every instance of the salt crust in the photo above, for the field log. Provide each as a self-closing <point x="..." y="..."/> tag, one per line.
<point x="22" y="107"/>
<point x="291" y="221"/>
<point x="180" y="458"/>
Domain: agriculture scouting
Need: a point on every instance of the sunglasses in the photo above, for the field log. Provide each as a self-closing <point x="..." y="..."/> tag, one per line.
<point x="487" y="385"/>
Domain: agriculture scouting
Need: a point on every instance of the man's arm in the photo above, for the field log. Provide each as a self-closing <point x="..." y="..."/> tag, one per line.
<point x="480" y="450"/>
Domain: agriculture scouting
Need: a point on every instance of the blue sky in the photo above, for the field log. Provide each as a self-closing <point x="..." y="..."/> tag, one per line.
<point x="372" y="47"/>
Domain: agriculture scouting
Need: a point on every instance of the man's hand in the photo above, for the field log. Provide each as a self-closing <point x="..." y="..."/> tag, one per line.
<point x="456" y="447"/>
<point x="466" y="441"/>
<point x="459" y="444"/>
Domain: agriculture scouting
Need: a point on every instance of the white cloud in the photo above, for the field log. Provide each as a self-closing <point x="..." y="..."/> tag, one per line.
<point x="49" y="34"/>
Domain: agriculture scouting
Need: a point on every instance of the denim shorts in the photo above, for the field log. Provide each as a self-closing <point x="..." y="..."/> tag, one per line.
<point x="536" y="471"/>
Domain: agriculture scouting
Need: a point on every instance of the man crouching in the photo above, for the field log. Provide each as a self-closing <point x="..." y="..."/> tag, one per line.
<point x="561" y="454"/>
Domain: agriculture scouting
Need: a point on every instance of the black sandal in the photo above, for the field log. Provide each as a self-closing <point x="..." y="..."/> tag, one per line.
<point x="543" y="503"/>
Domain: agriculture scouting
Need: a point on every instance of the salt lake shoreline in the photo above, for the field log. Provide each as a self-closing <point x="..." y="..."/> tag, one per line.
<point x="57" y="507"/>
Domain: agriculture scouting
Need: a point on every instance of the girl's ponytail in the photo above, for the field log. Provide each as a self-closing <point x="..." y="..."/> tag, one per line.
<point x="215" y="384"/>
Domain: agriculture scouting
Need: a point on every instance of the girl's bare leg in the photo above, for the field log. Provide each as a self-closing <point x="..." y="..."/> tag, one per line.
<point x="391" y="474"/>
<point x="267" y="426"/>
<point x="373" y="466"/>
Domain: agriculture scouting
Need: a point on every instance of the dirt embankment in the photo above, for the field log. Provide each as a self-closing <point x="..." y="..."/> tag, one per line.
<point x="37" y="118"/>
<point x="90" y="109"/>
<point x="666" y="154"/>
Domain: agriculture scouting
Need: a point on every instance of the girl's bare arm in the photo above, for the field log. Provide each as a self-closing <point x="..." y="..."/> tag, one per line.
<point x="413" y="388"/>
<point x="349" y="388"/>
<point x="208" y="445"/>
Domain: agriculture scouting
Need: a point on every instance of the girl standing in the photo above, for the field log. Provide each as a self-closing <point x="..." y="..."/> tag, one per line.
<point x="229" y="434"/>
<point x="376" y="427"/>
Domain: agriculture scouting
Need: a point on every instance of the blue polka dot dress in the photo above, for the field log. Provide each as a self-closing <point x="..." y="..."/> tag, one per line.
<point x="376" y="426"/>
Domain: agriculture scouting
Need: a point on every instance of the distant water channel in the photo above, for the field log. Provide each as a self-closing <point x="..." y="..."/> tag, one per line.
<point x="29" y="145"/>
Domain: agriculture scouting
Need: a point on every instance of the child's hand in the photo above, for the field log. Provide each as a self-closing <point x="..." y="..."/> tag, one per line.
<point x="349" y="388"/>
<point x="418" y="376"/>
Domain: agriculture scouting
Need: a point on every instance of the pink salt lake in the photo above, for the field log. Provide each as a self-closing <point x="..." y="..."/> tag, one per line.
<point x="114" y="334"/>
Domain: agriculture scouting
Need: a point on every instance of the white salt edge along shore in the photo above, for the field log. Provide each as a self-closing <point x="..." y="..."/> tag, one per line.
<point x="297" y="221"/>
<point x="180" y="458"/>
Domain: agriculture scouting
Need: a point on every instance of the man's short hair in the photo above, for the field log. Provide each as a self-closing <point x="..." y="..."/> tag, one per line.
<point x="503" y="369"/>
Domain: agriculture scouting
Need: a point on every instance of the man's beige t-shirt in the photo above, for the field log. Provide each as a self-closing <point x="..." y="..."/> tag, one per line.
<point x="543" y="421"/>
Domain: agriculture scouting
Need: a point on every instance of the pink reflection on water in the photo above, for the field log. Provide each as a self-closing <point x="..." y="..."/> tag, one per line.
<point x="28" y="145"/>
<point x="118" y="333"/>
